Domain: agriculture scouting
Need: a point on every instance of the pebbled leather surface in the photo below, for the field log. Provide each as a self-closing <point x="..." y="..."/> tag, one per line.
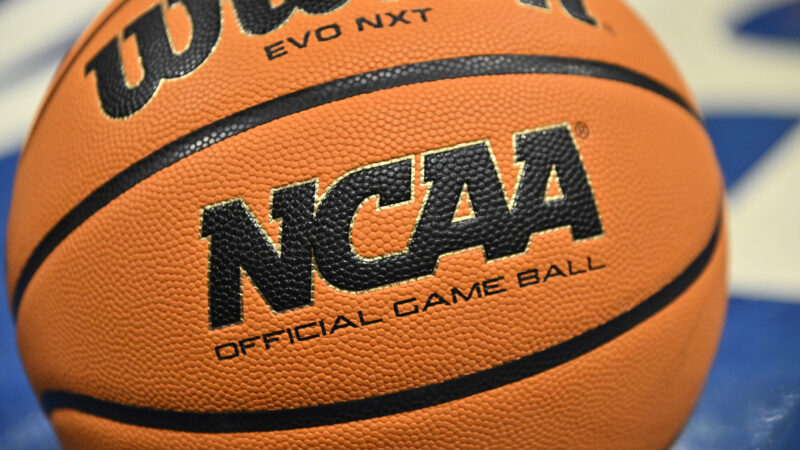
<point x="92" y="149"/>
<point x="624" y="395"/>
<point x="199" y="140"/>
<point x="118" y="310"/>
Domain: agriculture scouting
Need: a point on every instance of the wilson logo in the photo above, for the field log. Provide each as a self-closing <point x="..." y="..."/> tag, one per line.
<point x="160" y="61"/>
<point x="317" y="233"/>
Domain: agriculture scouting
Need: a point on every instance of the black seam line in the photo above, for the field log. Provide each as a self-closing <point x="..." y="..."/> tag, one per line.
<point x="378" y="80"/>
<point x="397" y="402"/>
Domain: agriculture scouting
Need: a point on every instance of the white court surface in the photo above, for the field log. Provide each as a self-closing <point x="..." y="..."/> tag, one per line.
<point x="727" y="73"/>
<point x="35" y="35"/>
<point x="744" y="74"/>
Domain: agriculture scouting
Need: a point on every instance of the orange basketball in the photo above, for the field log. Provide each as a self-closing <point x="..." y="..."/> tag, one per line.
<point x="364" y="223"/>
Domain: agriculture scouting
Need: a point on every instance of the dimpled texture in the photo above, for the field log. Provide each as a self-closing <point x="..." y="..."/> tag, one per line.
<point x="117" y="309"/>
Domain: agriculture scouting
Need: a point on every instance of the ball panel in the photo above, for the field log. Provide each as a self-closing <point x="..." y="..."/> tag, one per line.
<point x="625" y="394"/>
<point x="121" y="309"/>
<point x="91" y="148"/>
<point x="147" y="324"/>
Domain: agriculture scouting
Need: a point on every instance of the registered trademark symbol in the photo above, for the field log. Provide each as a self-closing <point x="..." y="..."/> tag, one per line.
<point x="582" y="130"/>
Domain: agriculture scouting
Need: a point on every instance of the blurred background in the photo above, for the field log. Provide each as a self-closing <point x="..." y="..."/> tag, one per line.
<point x="742" y="59"/>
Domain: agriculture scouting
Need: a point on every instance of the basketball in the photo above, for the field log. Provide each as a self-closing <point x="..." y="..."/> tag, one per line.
<point x="367" y="223"/>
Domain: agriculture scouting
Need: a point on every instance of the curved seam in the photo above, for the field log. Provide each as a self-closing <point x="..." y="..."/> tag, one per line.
<point x="397" y="402"/>
<point x="311" y="97"/>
